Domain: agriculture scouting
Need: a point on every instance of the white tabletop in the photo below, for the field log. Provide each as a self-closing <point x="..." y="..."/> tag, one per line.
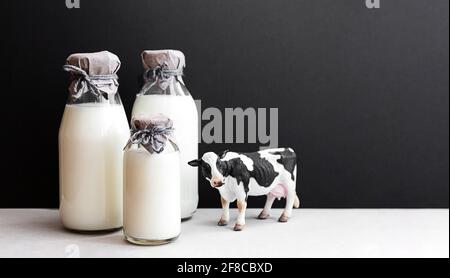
<point x="309" y="233"/>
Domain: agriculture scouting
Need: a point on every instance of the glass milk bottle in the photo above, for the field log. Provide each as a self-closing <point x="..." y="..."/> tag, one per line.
<point x="93" y="131"/>
<point x="151" y="182"/>
<point x="165" y="92"/>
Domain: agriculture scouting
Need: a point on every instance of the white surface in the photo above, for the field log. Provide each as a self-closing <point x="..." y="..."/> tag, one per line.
<point x="309" y="233"/>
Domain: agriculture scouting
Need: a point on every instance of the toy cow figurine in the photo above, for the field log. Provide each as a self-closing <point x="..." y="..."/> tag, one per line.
<point x="270" y="172"/>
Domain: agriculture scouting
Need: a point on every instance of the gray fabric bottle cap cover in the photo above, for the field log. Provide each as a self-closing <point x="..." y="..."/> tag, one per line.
<point x="152" y="132"/>
<point x="93" y="72"/>
<point x="161" y="66"/>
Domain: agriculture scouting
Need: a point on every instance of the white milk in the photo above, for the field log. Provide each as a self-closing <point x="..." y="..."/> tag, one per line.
<point x="183" y="112"/>
<point x="91" y="141"/>
<point x="151" y="196"/>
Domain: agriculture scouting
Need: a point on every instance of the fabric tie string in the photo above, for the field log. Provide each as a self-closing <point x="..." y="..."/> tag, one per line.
<point x="161" y="75"/>
<point x="154" y="137"/>
<point x="86" y="82"/>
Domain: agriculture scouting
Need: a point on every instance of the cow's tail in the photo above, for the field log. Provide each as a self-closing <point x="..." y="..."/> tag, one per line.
<point x="296" y="202"/>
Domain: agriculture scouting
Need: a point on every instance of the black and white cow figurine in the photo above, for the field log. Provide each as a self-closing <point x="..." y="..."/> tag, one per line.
<point x="271" y="172"/>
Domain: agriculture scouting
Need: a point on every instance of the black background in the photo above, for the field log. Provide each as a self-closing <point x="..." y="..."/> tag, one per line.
<point x="362" y="93"/>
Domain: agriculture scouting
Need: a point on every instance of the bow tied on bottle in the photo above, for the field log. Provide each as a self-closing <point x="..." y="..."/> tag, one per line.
<point x="162" y="75"/>
<point x="162" y="67"/>
<point x="152" y="133"/>
<point x="100" y="85"/>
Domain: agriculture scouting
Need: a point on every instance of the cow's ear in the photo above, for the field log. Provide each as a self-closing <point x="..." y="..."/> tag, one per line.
<point x="195" y="162"/>
<point x="222" y="154"/>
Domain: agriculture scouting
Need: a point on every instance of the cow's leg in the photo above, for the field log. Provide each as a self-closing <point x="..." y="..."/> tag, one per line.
<point x="225" y="212"/>
<point x="296" y="202"/>
<point x="267" y="207"/>
<point x="290" y="199"/>
<point x="240" y="223"/>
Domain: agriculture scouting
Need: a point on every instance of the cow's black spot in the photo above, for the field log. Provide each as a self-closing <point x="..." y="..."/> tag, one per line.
<point x="206" y="169"/>
<point x="263" y="171"/>
<point x="223" y="167"/>
<point x="239" y="171"/>
<point x="288" y="159"/>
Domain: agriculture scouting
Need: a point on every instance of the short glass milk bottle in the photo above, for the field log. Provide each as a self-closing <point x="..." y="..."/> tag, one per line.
<point x="93" y="131"/>
<point x="151" y="182"/>
<point x="164" y="92"/>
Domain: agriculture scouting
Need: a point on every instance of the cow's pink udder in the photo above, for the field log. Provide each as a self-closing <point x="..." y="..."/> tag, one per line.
<point x="279" y="191"/>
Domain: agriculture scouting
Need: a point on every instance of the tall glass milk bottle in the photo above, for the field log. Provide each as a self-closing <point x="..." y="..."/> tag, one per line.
<point x="94" y="129"/>
<point x="164" y="92"/>
<point x="151" y="193"/>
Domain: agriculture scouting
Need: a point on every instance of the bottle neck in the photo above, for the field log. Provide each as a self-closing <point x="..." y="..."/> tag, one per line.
<point x="171" y="86"/>
<point x="93" y="98"/>
<point x="92" y="88"/>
